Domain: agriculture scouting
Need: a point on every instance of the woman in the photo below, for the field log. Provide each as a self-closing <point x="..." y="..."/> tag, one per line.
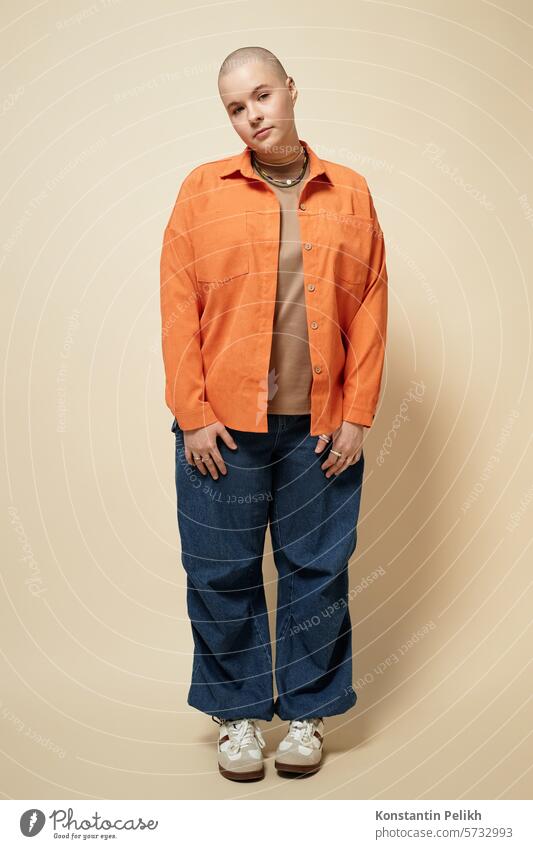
<point x="274" y="311"/>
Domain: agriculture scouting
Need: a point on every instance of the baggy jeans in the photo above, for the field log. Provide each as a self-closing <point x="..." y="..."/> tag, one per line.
<point x="272" y="478"/>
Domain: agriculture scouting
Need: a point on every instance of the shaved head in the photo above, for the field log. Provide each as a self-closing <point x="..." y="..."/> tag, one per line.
<point x="244" y="55"/>
<point x="259" y="97"/>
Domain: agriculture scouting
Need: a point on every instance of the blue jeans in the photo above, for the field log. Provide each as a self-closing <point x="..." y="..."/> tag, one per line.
<point x="275" y="478"/>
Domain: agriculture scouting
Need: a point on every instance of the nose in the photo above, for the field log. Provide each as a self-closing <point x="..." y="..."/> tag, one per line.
<point x="254" y="116"/>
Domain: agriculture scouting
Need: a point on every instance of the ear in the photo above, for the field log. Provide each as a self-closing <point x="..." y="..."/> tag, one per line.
<point x="292" y="89"/>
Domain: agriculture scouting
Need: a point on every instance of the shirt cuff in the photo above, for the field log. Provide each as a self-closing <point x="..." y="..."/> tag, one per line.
<point x="356" y="415"/>
<point x="200" y="417"/>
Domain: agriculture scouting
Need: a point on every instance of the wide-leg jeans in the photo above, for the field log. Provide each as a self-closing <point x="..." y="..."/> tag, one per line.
<point x="274" y="479"/>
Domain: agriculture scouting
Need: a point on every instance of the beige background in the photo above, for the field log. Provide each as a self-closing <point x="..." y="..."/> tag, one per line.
<point x="105" y="108"/>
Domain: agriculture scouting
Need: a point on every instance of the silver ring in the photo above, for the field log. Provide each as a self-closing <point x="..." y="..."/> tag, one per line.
<point x="338" y="453"/>
<point x="325" y="437"/>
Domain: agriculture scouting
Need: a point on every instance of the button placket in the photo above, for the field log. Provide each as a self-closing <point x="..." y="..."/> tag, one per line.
<point x="311" y="287"/>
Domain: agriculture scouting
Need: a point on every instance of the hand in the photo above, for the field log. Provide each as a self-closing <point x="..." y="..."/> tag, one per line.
<point x="348" y="441"/>
<point x="201" y="443"/>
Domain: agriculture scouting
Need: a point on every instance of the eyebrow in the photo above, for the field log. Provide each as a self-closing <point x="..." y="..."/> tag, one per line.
<point x="261" y="85"/>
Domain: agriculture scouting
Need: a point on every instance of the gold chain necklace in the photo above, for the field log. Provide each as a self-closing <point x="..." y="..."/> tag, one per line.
<point x="288" y="181"/>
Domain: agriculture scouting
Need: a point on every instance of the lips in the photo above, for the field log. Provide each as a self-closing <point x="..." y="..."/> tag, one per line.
<point x="261" y="132"/>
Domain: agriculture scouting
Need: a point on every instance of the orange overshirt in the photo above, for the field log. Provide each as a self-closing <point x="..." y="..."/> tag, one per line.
<point x="219" y="267"/>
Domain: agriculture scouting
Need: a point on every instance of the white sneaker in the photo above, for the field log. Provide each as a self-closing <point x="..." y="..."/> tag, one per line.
<point x="301" y="749"/>
<point x="240" y="742"/>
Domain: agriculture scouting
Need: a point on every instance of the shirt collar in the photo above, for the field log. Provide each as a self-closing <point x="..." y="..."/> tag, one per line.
<point x="242" y="162"/>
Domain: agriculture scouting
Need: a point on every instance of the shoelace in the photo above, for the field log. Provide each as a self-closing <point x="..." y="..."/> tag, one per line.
<point x="302" y="730"/>
<point x="242" y="732"/>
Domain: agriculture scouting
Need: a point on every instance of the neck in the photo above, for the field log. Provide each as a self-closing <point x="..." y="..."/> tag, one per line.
<point x="281" y="169"/>
<point x="291" y="154"/>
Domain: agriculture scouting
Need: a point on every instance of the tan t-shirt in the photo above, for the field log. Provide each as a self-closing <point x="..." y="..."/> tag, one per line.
<point x="290" y="372"/>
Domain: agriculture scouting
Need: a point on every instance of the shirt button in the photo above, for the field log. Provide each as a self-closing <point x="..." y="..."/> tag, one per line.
<point x="303" y="206"/>
<point x="307" y="246"/>
<point x="311" y="287"/>
<point x="314" y="325"/>
<point x="318" y="369"/>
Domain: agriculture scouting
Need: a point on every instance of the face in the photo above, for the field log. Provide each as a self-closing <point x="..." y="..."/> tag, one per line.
<point x="256" y="99"/>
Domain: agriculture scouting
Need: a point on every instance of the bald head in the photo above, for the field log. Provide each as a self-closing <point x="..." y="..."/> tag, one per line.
<point x="259" y="97"/>
<point x="245" y="55"/>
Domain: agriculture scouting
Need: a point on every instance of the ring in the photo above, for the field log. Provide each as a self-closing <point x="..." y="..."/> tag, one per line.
<point x="325" y="437"/>
<point x="338" y="453"/>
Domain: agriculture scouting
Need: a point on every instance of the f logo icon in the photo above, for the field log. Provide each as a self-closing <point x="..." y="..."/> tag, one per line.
<point x="31" y="822"/>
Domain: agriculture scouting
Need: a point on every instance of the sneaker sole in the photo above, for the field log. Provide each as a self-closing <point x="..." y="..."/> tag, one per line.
<point x="241" y="776"/>
<point x="303" y="768"/>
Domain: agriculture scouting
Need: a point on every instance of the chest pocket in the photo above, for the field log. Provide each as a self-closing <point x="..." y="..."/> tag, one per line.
<point x="350" y="240"/>
<point x="221" y="247"/>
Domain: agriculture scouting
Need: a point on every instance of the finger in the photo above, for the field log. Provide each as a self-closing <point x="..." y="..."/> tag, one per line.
<point x="329" y="461"/>
<point x="227" y="437"/>
<point x="209" y="462"/>
<point x="350" y="461"/>
<point x="338" y="468"/>
<point x="189" y="453"/>
<point x="219" y="460"/>
<point x="321" y="445"/>
<point x="358" y="454"/>
<point x="200" y="465"/>
<point x="332" y="458"/>
<point x="337" y="464"/>
<point x="343" y="467"/>
<point x="333" y="470"/>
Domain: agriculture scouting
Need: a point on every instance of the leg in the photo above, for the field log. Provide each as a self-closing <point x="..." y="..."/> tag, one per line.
<point x="314" y="531"/>
<point x="222" y="526"/>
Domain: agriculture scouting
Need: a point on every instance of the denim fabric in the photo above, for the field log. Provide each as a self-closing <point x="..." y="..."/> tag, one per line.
<point x="273" y="478"/>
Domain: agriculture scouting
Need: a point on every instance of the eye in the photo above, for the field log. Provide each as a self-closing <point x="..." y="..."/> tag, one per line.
<point x="238" y="108"/>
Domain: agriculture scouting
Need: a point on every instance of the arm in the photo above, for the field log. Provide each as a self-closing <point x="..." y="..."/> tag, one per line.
<point x="366" y="337"/>
<point x="180" y="317"/>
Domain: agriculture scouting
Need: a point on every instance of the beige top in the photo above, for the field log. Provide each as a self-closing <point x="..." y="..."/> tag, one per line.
<point x="290" y="373"/>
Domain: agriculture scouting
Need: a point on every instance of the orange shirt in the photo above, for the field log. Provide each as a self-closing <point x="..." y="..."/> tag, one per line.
<point x="219" y="268"/>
